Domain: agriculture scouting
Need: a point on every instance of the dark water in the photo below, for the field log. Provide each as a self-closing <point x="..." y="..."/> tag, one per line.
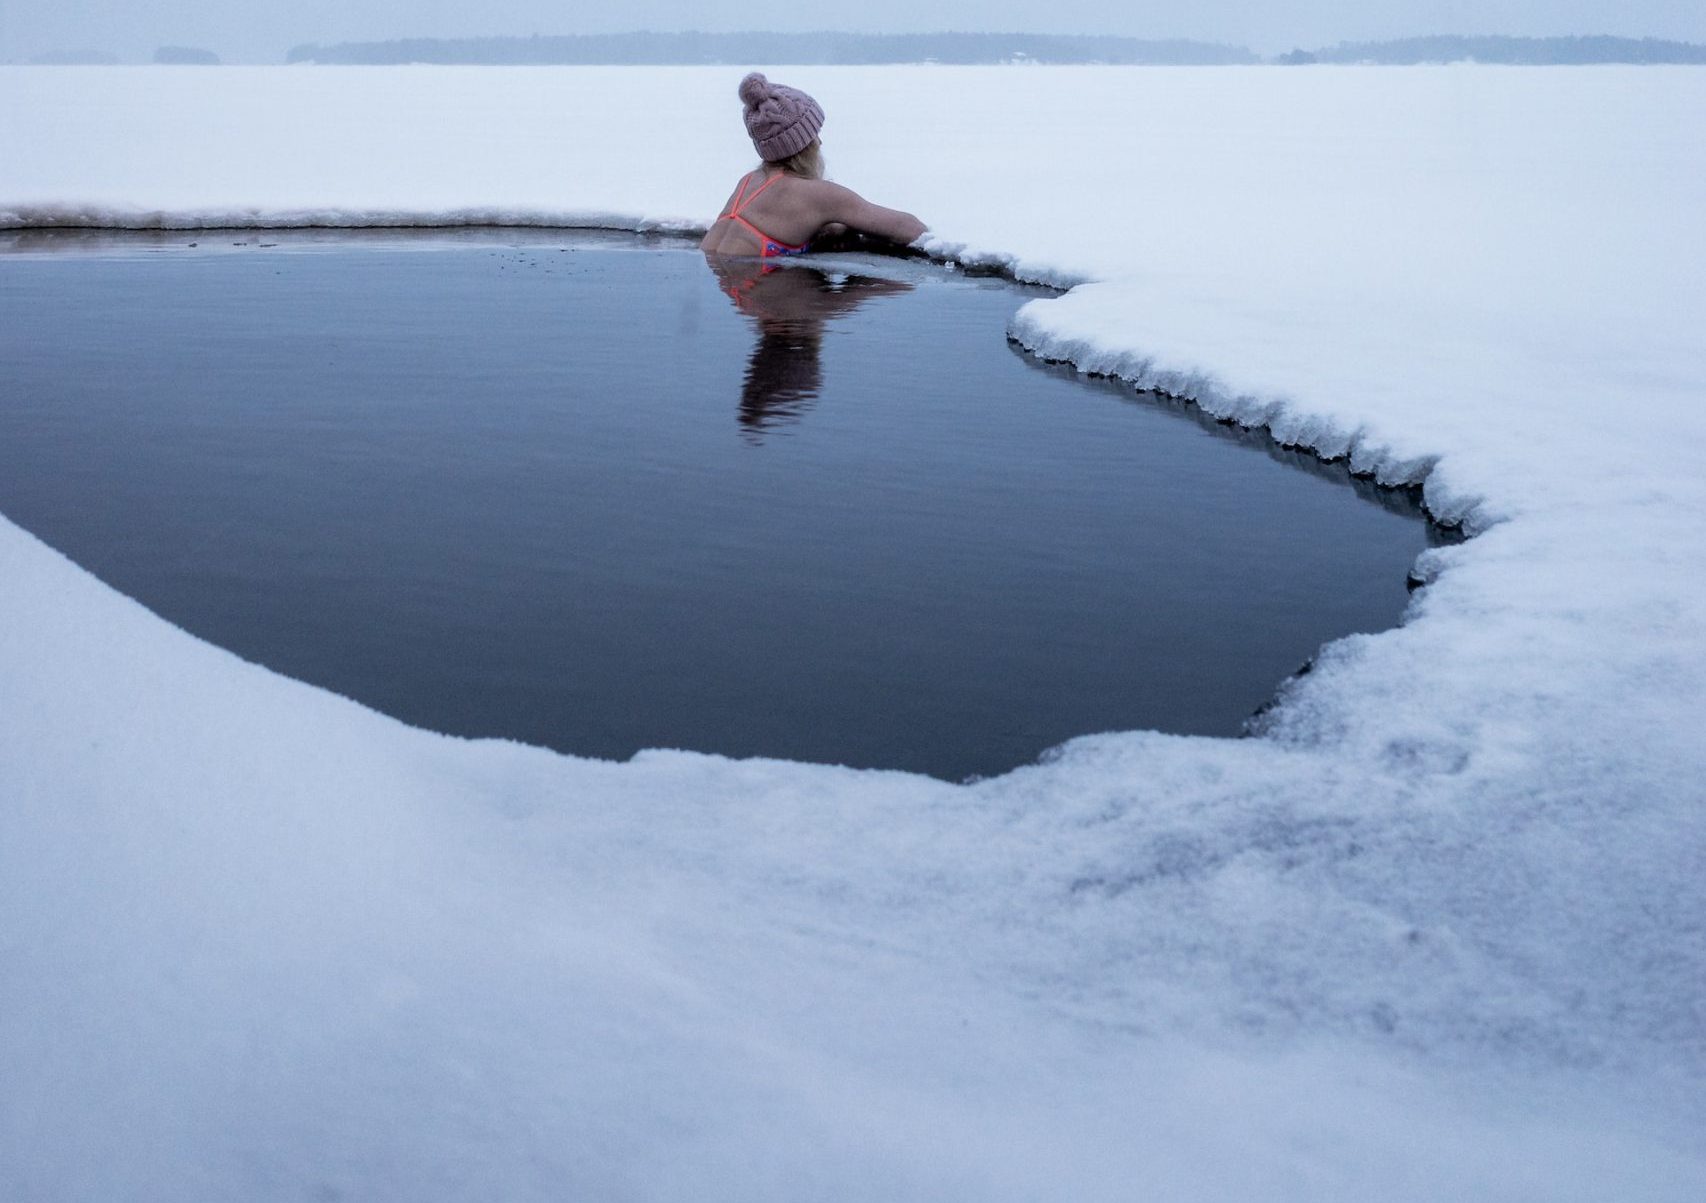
<point x="583" y="492"/>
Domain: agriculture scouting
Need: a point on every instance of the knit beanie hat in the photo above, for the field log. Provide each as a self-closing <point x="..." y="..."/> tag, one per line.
<point x="781" y="121"/>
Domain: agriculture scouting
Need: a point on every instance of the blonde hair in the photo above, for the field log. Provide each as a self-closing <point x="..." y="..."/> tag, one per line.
<point x="806" y="163"/>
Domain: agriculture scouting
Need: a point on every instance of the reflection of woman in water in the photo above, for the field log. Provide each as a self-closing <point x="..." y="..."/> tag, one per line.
<point x="791" y="307"/>
<point x="783" y="203"/>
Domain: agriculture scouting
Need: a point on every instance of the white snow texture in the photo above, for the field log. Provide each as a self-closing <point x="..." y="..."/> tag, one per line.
<point x="1439" y="932"/>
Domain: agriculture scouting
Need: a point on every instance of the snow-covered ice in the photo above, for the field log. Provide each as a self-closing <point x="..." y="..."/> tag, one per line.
<point x="1439" y="932"/>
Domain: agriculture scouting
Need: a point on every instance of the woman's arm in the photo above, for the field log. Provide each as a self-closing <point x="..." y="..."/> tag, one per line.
<point x="847" y="207"/>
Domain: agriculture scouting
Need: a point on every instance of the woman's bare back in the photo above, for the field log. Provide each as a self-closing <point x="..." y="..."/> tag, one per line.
<point x="793" y="210"/>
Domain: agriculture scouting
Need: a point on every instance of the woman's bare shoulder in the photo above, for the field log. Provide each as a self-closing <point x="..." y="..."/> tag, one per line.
<point x="838" y="203"/>
<point x="827" y="191"/>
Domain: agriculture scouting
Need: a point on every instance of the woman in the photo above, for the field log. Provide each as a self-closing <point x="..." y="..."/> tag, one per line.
<point x="780" y="206"/>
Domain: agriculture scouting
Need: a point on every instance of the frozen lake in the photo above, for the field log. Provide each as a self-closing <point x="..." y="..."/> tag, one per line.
<point x="586" y="492"/>
<point x="1433" y="934"/>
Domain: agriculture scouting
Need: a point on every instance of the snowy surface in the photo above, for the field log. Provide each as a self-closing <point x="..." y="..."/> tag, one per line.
<point x="1439" y="933"/>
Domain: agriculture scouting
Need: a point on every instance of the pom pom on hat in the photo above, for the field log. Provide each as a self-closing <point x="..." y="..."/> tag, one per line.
<point x="781" y="121"/>
<point x="753" y="89"/>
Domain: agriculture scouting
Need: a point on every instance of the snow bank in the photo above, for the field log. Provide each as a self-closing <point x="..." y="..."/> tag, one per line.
<point x="1437" y="933"/>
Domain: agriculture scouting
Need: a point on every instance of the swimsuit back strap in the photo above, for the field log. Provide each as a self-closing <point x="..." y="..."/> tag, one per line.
<point x="768" y="246"/>
<point x="742" y="199"/>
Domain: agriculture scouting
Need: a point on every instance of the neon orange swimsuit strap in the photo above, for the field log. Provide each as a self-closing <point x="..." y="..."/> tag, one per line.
<point x="742" y="200"/>
<point x="765" y="241"/>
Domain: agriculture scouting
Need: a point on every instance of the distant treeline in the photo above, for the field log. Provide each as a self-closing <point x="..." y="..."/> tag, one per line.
<point x="740" y="49"/>
<point x="74" y="58"/>
<point x="186" y="56"/>
<point x="854" y="49"/>
<point x="1448" y="48"/>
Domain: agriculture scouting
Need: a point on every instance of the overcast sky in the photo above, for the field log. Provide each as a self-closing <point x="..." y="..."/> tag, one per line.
<point x="246" y="30"/>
